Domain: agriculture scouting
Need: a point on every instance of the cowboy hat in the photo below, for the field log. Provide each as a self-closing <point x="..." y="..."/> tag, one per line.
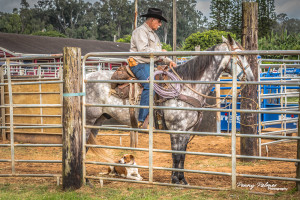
<point x="155" y="13"/>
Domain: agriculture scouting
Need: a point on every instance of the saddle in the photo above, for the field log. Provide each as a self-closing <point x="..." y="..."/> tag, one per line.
<point x="132" y="92"/>
<point x="122" y="90"/>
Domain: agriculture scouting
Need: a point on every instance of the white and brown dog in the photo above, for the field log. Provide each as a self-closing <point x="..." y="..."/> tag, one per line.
<point x="127" y="172"/>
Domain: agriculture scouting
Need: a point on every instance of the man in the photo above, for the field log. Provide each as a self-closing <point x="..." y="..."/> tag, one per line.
<point x="144" y="39"/>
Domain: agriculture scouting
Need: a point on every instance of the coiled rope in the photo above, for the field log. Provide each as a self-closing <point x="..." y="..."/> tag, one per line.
<point x="172" y="90"/>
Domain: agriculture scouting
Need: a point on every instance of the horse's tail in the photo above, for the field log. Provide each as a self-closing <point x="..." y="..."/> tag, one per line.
<point x="102" y="153"/>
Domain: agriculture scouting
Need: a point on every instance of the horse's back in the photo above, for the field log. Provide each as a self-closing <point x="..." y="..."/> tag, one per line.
<point x="100" y="75"/>
<point x="96" y="90"/>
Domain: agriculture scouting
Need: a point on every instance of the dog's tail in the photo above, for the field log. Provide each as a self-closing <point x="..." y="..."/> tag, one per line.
<point x="102" y="153"/>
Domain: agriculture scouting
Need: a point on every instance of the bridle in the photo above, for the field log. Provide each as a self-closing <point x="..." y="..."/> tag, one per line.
<point x="239" y="62"/>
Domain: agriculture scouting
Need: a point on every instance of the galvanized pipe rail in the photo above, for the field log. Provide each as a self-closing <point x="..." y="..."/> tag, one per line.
<point x="40" y="69"/>
<point x="285" y="77"/>
<point x="36" y="57"/>
<point x="11" y="126"/>
<point x="194" y="109"/>
<point x="49" y="65"/>
<point x="290" y="108"/>
<point x="191" y="153"/>
<point x="279" y="121"/>
<point x="282" y="95"/>
<point x="233" y="135"/>
<point x="194" y="133"/>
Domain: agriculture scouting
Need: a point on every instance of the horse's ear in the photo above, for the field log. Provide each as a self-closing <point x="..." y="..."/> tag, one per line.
<point x="231" y="41"/>
<point x="224" y="39"/>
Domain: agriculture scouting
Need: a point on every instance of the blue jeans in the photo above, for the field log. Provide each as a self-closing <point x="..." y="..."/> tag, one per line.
<point x="142" y="72"/>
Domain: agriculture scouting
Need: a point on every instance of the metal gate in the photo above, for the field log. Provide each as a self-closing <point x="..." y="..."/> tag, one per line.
<point x="28" y="74"/>
<point x="233" y="135"/>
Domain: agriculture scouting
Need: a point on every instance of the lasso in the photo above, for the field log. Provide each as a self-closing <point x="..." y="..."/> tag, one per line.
<point x="168" y="92"/>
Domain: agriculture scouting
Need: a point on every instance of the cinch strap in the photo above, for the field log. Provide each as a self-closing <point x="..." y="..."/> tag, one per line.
<point x="73" y="94"/>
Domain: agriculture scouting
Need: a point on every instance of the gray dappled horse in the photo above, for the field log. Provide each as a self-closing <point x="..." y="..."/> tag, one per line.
<point x="200" y="68"/>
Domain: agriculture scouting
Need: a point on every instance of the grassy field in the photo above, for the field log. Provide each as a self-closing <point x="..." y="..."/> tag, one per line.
<point x="49" y="192"/>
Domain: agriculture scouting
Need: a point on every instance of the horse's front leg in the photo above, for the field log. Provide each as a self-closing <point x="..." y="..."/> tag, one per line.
<point x="179" y="143"/>
<point x="181" y="166"/>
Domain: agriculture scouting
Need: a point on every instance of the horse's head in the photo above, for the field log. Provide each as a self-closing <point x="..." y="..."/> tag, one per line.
<point x="244" y="71"/>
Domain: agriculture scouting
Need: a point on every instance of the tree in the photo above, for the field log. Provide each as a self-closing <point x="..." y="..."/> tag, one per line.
<point x="284" y="23"/>
<point x="266" y="17"/>
<point x="101" y="20"/>
<point x="115" y="18"/>
<point x="25" y="16"/>
<point x="236" y="18"/>
<point x="63" y="15"/>
<point x="50" y="34"/>
<point x="292" y="26"/>
<point x="10" y="23"/>
<point x="125" y="39"/>
<point x="189" y="20"/>
<point x="219" y="12"/>
<point x="205" y="39"/>
<point x="227" y="16"/>
<point x="283" y="41"/>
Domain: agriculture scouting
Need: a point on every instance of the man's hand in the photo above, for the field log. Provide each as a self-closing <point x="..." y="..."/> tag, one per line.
<point x="172" y="64"/>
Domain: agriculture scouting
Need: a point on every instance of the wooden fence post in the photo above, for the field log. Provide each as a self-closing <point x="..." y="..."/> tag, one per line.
<point x="249" y="94"/>
<point x="72" y="119"/>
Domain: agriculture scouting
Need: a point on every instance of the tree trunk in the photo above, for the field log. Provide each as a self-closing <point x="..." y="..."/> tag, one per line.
<point x="249" y="125"/>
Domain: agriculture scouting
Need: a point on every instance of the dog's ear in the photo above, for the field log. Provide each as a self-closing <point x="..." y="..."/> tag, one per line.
<point x="132" y="157"/>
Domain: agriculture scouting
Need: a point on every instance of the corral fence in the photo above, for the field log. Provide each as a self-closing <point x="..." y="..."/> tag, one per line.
<point x="276" y="97"/>
<point x="32" y="105"/>
<point x="150" y="150"/>
<point x="28" y="108"/>
<point x="233" y="111"/>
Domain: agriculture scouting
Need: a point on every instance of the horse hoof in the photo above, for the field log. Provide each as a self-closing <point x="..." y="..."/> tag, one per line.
<point x="184" y="182"/>
<point x="175" y="182"/>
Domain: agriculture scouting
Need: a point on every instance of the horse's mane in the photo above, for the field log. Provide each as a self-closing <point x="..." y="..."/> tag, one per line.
<point x="194" y="68"/>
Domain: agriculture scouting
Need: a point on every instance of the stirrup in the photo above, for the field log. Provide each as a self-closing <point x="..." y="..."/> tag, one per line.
<point x="144" y="124"/>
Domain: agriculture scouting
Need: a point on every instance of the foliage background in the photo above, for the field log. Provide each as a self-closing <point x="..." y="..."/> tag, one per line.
<point x="113" y="19"/>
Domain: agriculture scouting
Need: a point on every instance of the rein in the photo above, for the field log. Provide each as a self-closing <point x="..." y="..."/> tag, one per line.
<point x="239" y="62"/>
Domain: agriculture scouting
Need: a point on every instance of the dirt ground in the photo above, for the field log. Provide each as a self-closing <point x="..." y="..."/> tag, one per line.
<point x="208" y="144"/>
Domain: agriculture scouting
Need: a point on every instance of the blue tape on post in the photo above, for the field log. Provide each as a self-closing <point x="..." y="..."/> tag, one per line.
<point x="73" y="94"/>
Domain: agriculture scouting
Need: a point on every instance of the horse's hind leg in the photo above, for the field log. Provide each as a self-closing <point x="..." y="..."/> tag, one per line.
<point x="94" y="131"/>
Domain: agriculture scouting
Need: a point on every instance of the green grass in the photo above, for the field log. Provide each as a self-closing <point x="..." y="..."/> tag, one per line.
<point x="293" y="99"/>
<point x="124" y="192"/>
